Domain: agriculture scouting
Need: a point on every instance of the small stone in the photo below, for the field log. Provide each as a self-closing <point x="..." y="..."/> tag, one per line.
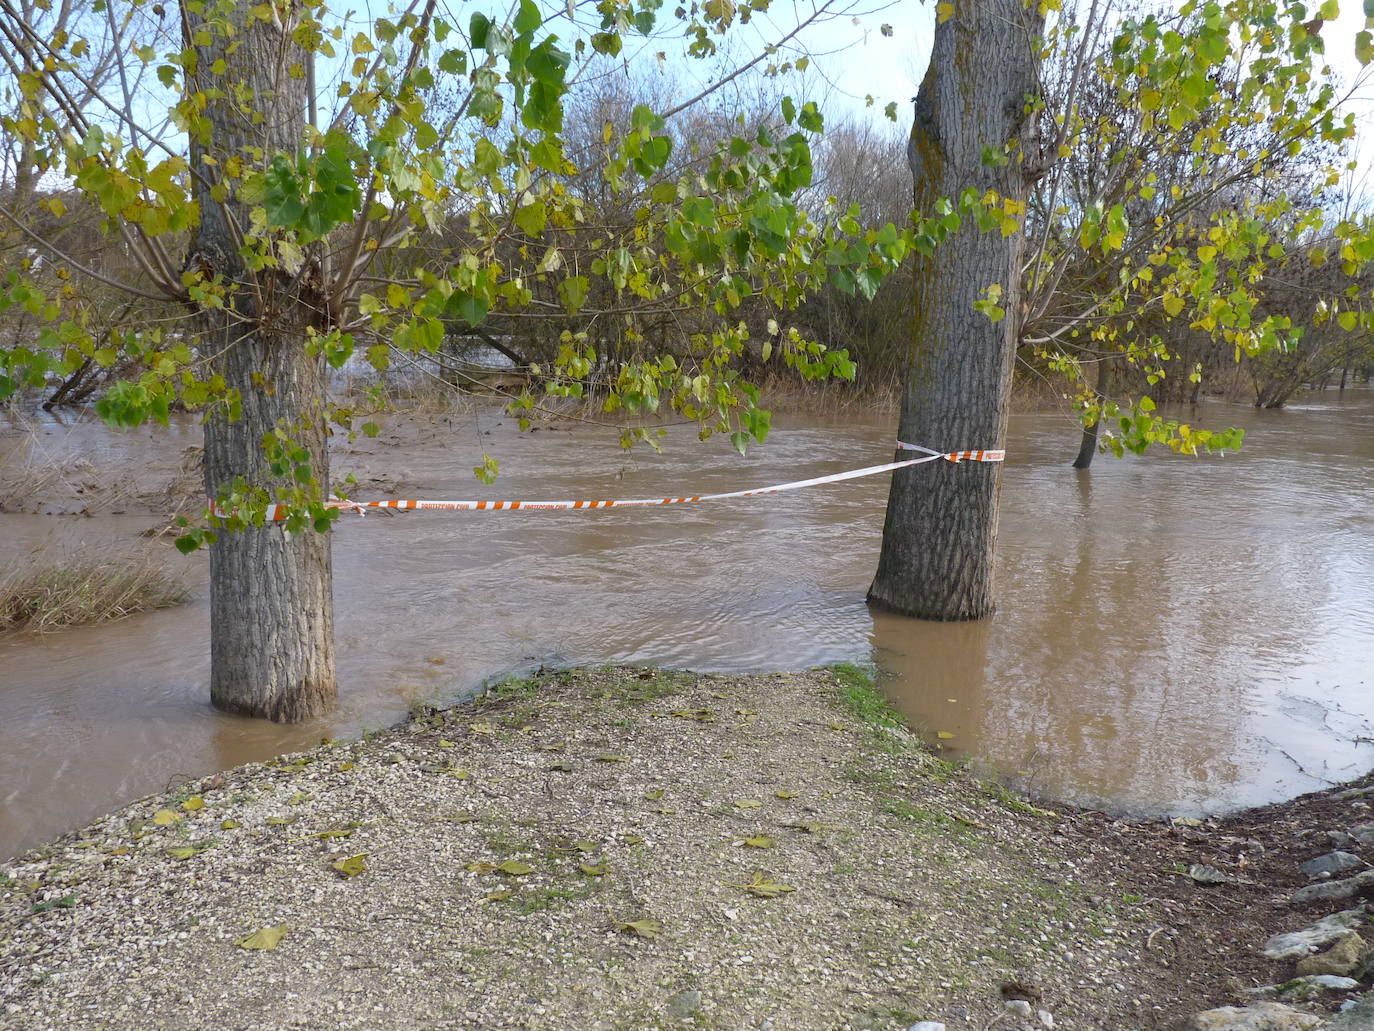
<point x="1339" y="839"/>
<point x="1334" y="889"/>
<point x="1296" y="944"/>
<point x="1341" y="796"/>
<point x="1363" y="833"/>
<point x="1332" y="862"/>
<point x="927" y="1025"/>
<point x="1020" y="1007"/>
<point x="1262" y="1016"/>
<point x="683" y="1004"/>
<point x="1343" y="957"/>
<point x="1045" y="1017"/>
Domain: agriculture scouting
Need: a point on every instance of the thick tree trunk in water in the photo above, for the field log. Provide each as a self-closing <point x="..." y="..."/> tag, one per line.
<point x="936" y="559"/>
<point x="271" y="611"/>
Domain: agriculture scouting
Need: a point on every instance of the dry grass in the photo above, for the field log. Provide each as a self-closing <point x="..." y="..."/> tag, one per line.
<point x="85" y="587"/>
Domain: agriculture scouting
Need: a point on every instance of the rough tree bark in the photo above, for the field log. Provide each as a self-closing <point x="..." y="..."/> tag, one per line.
<point x="271" y="609"/>
<point x="941" y="526"/>
<point x="1087" y="443"/>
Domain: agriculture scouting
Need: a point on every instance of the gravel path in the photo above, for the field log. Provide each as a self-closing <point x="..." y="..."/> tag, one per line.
<point x="610" y="849"/>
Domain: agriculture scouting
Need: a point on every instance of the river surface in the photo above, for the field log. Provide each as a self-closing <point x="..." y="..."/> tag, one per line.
<point x="1180" y="635"/>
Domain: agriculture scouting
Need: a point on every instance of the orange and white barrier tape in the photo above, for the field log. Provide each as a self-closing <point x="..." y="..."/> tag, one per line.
<point x="278" y="512"/>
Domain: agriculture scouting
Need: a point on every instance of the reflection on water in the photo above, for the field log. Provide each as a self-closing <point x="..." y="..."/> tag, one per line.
<point x="1174" y="634"/>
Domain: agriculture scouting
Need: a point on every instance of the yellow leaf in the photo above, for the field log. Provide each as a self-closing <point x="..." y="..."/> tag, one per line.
<point x="785" y="794"/>
<point x="482" y="728"/>
<point x="193" y="803"/>
<point x="514" y="868"/>
<point x="944" y="11"/>
<point x="351" y="866"/>
<point x="646" y="928"/>
<point x="181" y="853"/>
<point x="264" y="938"/>
<point x="165" y="817"/>
<point x="228" y="825"/>
<point x="747" y="803"/>
<point x="759" y="841"/>
<point x="944" y="735"/>
<point x="1173" y="304"/>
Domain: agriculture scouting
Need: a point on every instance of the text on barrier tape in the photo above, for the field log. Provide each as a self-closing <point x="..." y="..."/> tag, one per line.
<point x="278" y="512"/>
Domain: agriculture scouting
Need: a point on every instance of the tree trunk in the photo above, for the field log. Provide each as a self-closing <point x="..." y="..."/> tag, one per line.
<point x="1087" y="443"/>
<point x="941" y="526"/>
<point x="271" y="610"/>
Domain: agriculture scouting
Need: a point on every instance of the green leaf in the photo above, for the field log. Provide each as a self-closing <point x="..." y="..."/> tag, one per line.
<point x="760" y="841"/>
<point x="528" y="18"/>
<point x="514" y="868"/>
<point x="478" y="28"/>
<point x="264" y="938"/>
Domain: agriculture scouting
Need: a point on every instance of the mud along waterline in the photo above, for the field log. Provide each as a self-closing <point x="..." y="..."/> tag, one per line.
<point x="1175" y="634"/>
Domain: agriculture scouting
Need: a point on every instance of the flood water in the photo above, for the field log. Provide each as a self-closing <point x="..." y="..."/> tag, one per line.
<point x="1175" y="634"/>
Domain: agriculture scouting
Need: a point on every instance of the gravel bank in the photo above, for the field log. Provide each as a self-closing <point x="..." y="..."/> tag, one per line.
<point x="608" y="849"/>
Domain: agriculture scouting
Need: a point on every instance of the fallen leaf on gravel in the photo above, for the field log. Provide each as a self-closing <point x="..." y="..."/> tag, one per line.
<point x="785" y="794"/>
<point x="556" y="747"/>
<point x="747" y="803"/>
<point x="576" y="846"/>
<point x="184" y="852"/>
<point x="563" y="767"/>
<point x="193" y="803"/>
<point x="336" y="832"/>
<point x="498" y="896"/>
<point x="612" y="758"/>
<point x="165" y="817"/>
<point x="299" y="798"/>
<point x="653" y="796"/>
<point x="280" y="821"/>
<point x="593" y="870"/>
<point x="446" y="744"/>
<point x="481" y="867"/>
<point x="632" y="839"/>
<point x="463" y="817"/>
<point x="460" y="774"/>
<point x="514" y="868"/>
<point x="646" y="928"/>
<point x="759" y="841"/>
<point x="229" y="825"/>
<point x="351" y="866"/>
<point x="481" y="728"/>
<point x="1186" y="821"/>
<point x="264" y="938"/>
<point x="700" y="715"/>
<point x="763" y="887"/>
<point x="344" y="767"/>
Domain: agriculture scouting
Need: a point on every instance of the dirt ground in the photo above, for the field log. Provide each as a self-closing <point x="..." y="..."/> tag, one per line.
<point x="646" y="849"/>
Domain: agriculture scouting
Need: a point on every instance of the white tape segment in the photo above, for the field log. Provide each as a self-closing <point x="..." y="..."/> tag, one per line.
<point x="276" y="512"/>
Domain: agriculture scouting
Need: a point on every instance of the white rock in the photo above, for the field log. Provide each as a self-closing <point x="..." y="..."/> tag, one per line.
<point x="1296" y="944"/>
<point x="927" y="1025"/>
<point x="1019" y="1006"/>
<point x="1046" y="1018"/>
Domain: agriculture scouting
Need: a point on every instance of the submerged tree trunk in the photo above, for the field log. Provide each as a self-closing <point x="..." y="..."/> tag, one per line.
<point x="971" y="122"/>
<point x="1087" y="444"/>
<point x="271" y="610"/>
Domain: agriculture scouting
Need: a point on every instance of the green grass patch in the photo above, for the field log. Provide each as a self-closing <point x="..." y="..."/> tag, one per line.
<point x="858" y="689"/>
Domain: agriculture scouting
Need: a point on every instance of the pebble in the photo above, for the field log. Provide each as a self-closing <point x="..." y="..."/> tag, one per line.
<point x="1262" y="1016"/>
<point x="927" y="1025"/>
<point x="683" y="1004"/>
<point x="1020" y="1007"/>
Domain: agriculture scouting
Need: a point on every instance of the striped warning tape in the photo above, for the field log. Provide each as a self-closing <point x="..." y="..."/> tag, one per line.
<point x="278" y="512"/>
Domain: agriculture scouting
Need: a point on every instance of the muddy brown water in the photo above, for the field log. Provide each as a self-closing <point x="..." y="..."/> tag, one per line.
<point x="1175" y="635"/>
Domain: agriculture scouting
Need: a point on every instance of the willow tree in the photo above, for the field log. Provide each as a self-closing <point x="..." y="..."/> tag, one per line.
<point x="975" y="151"/>
<point x="286" y="224"/>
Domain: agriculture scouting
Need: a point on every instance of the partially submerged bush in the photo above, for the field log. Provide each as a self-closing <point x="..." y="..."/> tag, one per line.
<point x="85" y="588"/>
